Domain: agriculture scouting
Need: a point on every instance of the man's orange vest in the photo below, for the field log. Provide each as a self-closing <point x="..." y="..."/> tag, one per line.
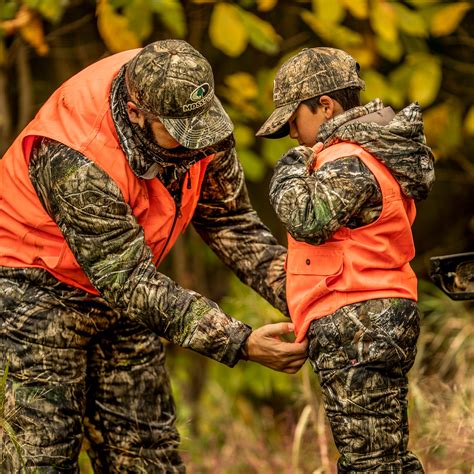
<point x="78" y="115"/>
<point x="354" y="265"/>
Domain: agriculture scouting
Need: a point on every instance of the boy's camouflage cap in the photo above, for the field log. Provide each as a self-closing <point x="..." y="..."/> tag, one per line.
<point x="311" y="73"/>
<point x="173" y="82"/>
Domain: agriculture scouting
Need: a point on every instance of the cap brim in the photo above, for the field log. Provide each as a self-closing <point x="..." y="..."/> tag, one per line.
<point x="203" y="130"/>
<point x="276" y="126"/>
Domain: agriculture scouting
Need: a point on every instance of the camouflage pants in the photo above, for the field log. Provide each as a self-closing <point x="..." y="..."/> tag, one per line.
<point x="361" y="354"/>
<point x="75" y="365"/>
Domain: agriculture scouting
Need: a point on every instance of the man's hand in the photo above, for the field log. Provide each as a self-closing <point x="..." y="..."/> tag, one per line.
<point x="265" y="347"/>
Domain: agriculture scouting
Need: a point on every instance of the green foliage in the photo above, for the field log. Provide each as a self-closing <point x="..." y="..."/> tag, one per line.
<point x="258" y="421"/>
<point x="391" y="40"/>
<point x="5" y="425"/>
<point x="171" y="13"/>
<point x="226" y="23"/>
<point x="52" y="10"/>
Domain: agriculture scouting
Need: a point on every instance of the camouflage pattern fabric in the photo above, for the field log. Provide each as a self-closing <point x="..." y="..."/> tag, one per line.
<point x="310" y="73"/>
<point x="362" y="354"/>
<point x="363" y="351"/>
<point x="345" y="193"/>
<point x="172" y="81"/>
<point x="71" y="356"/>
<point x="101" y="355"/>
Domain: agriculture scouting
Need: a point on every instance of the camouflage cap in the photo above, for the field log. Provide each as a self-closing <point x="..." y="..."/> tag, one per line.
<point x="311" y="73"/>
<point x="173" y="82"/>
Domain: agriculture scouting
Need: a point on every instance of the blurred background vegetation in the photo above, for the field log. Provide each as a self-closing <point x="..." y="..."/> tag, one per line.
<point x="249" y="419"/>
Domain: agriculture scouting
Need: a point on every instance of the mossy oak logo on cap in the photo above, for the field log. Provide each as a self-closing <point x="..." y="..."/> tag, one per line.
<point x="199" y="97"/>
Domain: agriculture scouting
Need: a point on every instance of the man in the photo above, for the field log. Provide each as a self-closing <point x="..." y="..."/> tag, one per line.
<point x="94" y="193"/>
<point x="347" y="196"/>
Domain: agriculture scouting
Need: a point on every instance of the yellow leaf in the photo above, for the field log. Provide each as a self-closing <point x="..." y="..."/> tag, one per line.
<point x="469" y="121"/>
<point x="447" y="18"/>
<point x="384" y="20"/>
<point x="410" y="21"/>
<point x="425" y="79"/>
<point x="241" y="91"/>
<point x="227" y="31"/>
<point x="357" y="8"/>
<point x="51" y="9"/>
<point x="330" y="12"/>
<point x="33" y="34"/>
<point x="338" y="35"/>
<point x="172" y="15"/>
<point x="442" y="125"/>
<point x="261" y="33"/>
<point x="365" y="54"/>
<point x="375" y="85"/>
<point x="114" y="29"/>
<point x="391" y="50"/>
<point x="243" y="85"/>
<point x="266" y="5"/>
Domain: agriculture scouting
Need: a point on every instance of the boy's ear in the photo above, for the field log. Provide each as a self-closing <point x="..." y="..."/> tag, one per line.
<point x="330" y="107"/>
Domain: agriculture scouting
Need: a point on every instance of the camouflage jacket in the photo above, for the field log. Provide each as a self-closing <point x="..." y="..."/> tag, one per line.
<point x="344" y="193"/>
<point x="73" y="189"/>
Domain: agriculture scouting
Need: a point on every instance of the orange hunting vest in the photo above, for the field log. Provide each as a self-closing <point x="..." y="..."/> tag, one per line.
<point x="354" y="265"/>
<point x="78" y="115"/>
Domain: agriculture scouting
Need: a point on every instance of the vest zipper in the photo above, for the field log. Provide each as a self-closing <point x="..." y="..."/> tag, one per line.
<point x="188" y="185"/>
<point x="177" y="201"/>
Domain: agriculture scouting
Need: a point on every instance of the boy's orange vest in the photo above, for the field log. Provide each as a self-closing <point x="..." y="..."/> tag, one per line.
<point x="78" y="115"/>
<point x="354" y="265"/>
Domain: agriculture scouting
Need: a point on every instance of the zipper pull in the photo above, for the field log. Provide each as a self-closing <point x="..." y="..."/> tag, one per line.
<point x="188" y="184"/>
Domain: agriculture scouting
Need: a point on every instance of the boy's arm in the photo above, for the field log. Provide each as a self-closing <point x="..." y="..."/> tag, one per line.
<point x="314" y="206"/>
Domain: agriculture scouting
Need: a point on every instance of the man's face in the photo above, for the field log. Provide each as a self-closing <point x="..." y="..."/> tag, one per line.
<point x="159" y="134"/>
<point x="152" y="126"/>
<point x="305" y="124"/>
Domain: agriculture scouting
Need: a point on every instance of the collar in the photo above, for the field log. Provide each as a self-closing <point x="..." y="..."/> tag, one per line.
<point x="328" y="128"/>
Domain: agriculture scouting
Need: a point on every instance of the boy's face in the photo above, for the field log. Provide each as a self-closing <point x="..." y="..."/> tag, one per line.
<point x="305" y="124"/>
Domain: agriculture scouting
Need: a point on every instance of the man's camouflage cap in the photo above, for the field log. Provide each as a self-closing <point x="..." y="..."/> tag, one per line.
<point x="311" y="73"/>
<point x="173" y="82"/>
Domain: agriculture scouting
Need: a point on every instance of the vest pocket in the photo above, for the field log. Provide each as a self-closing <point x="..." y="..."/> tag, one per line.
<point x="314" y="261"/>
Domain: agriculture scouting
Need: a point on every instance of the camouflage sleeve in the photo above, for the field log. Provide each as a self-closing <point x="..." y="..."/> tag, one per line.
<point x="314" y="206"/>
<point x="108" y="243"/>
<point x="227" y="222"/>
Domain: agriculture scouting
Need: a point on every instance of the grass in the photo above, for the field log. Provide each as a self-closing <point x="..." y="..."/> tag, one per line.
<point x="250" y="419"/>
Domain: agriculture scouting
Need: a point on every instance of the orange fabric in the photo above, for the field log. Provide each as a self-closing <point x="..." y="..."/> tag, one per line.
<point x="78" y="115"/>
<point x="354" y="265"/>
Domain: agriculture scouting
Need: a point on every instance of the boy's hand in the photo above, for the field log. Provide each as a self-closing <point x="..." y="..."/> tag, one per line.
<point x="264" y="345"/>
<point x="317" y="148"/>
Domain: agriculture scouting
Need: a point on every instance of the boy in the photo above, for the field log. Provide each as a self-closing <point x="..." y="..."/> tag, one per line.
<point x="348" y="206"/>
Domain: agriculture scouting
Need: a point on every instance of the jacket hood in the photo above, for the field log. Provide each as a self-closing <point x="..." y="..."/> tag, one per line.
<point x="397" y="140"/>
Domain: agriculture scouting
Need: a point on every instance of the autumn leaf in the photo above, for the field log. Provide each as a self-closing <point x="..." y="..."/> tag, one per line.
<point x="410" y="21"/>
<point x="383" y="20"/>
<point x="357" y="8"/>
<point x="329" y="12"/>
<point x="115" y="29"/>
<point x="425" y="79"/>
<point x="171" y="13"/>
<point x="266" y="5"/>
<point x="33" y="34"/>
<point x="261" y="33"/>
<point x="227" y="31"/>
<point x="447" y="19"/>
